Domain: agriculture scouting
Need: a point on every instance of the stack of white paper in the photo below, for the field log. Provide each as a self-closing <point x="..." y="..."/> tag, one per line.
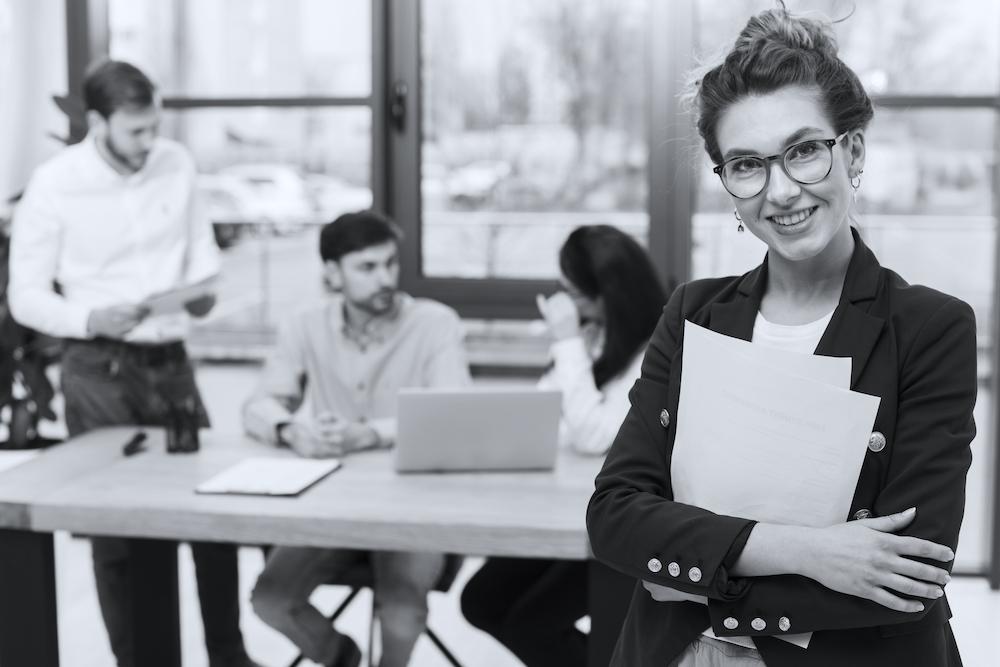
<point x="768" y="434"/>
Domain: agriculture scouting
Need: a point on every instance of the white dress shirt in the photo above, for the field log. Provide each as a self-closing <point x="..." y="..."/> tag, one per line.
<point x="107" y="239"/>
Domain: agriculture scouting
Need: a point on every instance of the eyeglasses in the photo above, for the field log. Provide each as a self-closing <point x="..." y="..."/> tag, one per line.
<point x="806" y="162"/>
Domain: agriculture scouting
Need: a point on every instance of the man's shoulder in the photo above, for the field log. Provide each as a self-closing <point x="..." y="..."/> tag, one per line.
<point x="428" y="312"/>
<point x="171" y="154"/>
<point x="66" y="161"/>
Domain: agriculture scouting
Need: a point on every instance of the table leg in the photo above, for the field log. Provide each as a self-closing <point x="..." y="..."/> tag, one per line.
<point x="28" y="630"/>
<point x="609" y="593"/>
<point x="155" y="603"/>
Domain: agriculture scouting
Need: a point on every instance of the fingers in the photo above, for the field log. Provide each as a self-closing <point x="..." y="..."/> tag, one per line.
<point x="542" y="304"/>
<point x="917" y="570"/>
<point x="915" y="546"/>
<point x="893" y="522"/>
<point x="894" y="602"/>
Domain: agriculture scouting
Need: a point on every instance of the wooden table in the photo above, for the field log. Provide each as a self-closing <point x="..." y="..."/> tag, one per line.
<point x="88" y="487"/>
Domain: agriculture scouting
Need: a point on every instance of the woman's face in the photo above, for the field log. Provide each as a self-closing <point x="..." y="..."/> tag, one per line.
<point x="590" y="310"/>
<point x="797" y="222"/>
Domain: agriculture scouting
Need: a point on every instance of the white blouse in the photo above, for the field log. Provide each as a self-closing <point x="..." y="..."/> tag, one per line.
<point x="591" y="417"/>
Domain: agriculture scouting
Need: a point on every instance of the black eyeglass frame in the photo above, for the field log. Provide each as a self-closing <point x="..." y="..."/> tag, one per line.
<point x="829" y="143"/>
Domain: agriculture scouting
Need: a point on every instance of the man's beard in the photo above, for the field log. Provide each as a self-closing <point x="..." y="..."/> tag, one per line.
<point x="134" y="162"/>
<point x="379" y="303"/>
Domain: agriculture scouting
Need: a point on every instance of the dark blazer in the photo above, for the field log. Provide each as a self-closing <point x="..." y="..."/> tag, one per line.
<point x="912" y="346"/>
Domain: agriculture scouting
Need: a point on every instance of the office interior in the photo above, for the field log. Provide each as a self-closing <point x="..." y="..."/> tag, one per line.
<point x="489" y="130"/>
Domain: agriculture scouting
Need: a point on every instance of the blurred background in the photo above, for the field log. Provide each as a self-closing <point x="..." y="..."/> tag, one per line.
<point x="491" y="128"/>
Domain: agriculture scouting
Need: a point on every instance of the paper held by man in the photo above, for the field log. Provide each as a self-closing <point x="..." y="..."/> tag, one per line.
<point x="766" y="434"/>
<point x="172" y="301"/>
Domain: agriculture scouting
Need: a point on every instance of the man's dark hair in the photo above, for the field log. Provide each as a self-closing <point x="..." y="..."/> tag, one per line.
<point x="356" y="231"/>
<point x="111" y="85"/>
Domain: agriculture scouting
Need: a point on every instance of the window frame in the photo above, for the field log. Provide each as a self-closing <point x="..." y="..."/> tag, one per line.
<point x="668" y="131"/>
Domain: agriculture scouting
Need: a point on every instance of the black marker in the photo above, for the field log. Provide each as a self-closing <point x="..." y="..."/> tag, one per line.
<point x="134" y="445"/>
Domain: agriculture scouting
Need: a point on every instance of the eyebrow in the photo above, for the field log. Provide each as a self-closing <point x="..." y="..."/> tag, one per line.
<point x="795" y="137"/>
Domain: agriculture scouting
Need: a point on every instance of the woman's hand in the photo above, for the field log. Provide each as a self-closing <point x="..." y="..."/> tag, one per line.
<point x="560" y="314"/>
<point x="667" y="594"/>
<point x="864" y="558"/>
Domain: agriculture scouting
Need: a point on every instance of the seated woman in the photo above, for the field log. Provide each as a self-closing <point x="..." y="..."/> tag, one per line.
<point x="784" y="120"/>
<point x="600" y="325"/>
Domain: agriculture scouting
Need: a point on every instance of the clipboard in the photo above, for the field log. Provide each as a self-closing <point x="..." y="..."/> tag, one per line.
<point x="172" y="301"/>
<point x="269" y="476"/>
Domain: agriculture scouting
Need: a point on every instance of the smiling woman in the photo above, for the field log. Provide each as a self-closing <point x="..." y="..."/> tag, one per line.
<point x="785" y="121"/>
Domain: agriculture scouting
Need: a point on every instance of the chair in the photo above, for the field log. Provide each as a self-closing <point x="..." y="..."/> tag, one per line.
<point x="361" y="576"/>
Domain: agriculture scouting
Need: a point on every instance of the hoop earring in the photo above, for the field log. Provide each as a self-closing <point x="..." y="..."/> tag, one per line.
<point x="737" y="214"/>
<point x="856" y="183"/>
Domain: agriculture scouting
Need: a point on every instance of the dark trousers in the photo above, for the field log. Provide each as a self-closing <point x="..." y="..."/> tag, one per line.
<point x="106" y="383"/>
<point x="530" y="606"/>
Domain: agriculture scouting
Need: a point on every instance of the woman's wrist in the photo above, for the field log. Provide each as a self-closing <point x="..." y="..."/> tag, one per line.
<point x="772" y="549"/>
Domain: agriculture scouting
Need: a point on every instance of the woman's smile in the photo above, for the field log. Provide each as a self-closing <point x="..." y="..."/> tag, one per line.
<point x="789" y="221"/>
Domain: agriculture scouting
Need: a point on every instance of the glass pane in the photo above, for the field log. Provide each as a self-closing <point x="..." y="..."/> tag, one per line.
<point x="534" y="122"/>
<point x="269" y="178"/>
<point x="896" y="46"/>
<point x="926" y="210"/>
<point x="247" y="48"/>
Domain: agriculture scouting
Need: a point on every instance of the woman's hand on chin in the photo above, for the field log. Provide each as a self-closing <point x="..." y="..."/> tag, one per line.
<point x="560" y="314"/>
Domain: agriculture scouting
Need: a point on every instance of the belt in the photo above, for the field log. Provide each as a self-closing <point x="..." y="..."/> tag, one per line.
<point x="138" y="354"/>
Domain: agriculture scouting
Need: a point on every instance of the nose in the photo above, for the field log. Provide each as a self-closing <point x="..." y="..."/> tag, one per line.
<point x="386" y="277"/>
<point x="781" y="188"/>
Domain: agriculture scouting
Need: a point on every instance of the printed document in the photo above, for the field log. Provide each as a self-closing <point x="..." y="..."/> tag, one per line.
<point x="269" y="476"/>
<point x="766" y="434"/>
<point x="172" y="301"/>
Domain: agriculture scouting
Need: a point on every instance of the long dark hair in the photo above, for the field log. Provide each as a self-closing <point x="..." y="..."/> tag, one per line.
<point x="602" y="261"/>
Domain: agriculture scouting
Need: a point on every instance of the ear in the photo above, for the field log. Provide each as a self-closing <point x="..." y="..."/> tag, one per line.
<point x="333" y="275"/>
<point x="856" y="152"/>
<point x="96" y="122"/>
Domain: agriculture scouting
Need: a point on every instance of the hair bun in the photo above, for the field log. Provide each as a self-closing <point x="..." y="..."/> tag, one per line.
<point x="794" y="32"/>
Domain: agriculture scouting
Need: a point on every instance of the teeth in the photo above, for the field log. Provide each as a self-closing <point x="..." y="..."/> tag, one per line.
<point x="792" y="219"/>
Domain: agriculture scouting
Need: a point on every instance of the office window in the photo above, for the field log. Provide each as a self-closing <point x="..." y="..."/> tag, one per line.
<point x="275" y="100"/>
<point x="534" y="122"/>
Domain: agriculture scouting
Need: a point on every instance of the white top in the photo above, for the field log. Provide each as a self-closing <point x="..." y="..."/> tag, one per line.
<point x="591" y="417"/>
<point x="107" y="239"/>
<point x="797" y="338"/>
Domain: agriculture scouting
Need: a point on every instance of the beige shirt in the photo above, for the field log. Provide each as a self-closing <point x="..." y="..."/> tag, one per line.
<point x="107" y="240"/>
<point x="356" y="375"/>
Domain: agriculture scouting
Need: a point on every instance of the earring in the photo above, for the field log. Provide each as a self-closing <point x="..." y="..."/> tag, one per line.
<point x="737" y="214"/>
<point x="856" y="183"/>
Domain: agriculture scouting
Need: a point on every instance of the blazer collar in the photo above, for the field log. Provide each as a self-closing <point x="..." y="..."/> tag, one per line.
<point x="852" y="331"/>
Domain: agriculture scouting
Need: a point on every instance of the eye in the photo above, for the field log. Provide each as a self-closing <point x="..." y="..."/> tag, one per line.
<point x="742" y="167"/>
<point x="807" y="150"/>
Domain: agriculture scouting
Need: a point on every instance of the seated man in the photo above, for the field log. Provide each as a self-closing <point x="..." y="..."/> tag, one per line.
<point x="350" y="357"/>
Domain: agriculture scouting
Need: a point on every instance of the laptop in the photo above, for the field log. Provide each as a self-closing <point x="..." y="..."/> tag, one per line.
<point x="477" y="428"/>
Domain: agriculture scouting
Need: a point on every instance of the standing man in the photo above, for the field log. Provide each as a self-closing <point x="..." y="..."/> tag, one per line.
<point x="349" y="358"/>
<point x="103" y="225"/>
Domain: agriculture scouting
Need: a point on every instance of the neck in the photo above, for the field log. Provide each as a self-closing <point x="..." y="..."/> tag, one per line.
<point x="803" y="291"/>
<point x="112" y="158"/>
<point x="358" y="318"/>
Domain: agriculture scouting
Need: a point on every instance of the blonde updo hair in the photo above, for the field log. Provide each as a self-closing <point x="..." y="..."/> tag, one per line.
<point x="776" y="50"/>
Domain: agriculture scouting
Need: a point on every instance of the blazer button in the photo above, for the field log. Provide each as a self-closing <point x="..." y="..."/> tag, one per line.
<point x="654" y="565"/>
<point x="674" y="569"/>
<point x="694" y="574"/>
<point x="664" y="418"/>
<point x="784" y="624"/>
<point x="876" y="442"/>
<point x="758" y="624"/>
<point x="862" y="514"/>
<point x="731" y="623"/>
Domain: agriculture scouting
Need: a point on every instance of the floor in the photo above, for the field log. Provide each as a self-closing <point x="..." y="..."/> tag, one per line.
<point x="83" y="642"/>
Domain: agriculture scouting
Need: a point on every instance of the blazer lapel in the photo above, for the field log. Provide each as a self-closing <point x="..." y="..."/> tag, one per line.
<point x="736" y="318"/>
<point x="853" y="331"/>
